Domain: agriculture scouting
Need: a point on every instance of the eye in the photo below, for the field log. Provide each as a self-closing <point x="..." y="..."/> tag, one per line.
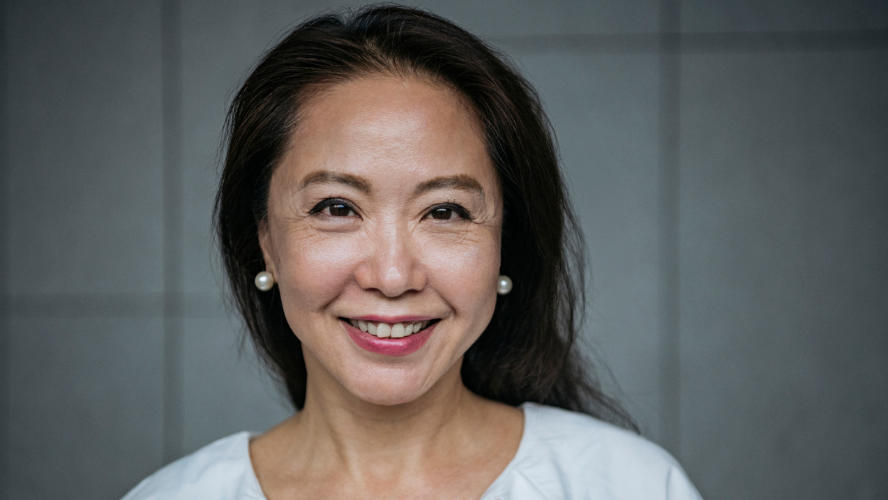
<point x="442" y="213"/>
<point x="340" y="210"/>
<point x="333" y="207"/>
<point x="449" y="211"/>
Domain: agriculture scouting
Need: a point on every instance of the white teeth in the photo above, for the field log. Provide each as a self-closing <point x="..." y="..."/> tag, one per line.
<point x="383" y="330"/>
<point x="398" y="330"/>
<point x="386" y="330"/>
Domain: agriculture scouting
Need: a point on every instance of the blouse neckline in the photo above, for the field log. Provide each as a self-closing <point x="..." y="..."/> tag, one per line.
<point x="526" y="409"/>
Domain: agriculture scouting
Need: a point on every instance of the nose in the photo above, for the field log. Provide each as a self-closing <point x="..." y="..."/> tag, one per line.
<point x="392" y="265"/>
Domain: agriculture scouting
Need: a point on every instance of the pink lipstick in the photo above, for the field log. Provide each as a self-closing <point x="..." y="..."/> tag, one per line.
<point x="389" y="346"/>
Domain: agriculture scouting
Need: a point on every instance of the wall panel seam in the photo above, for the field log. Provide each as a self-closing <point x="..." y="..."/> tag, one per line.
<point x="668" y="166"/>
<point x="171" y="85"/>
<point x="705" y="42"/>
<point x="5" y="355"/>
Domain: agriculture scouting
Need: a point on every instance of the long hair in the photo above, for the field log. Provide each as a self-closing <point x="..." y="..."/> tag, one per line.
<point x="529" y="350"/>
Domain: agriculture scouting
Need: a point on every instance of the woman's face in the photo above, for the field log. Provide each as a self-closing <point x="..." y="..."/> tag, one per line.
<point x="384" y="217"/>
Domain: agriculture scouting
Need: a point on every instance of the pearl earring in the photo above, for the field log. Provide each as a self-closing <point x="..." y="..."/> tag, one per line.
<point x="264" y="281"/>
<point x="503" y="285"/>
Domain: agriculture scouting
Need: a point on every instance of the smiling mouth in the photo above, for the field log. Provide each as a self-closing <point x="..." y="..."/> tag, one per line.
<point x="390" y="330"/>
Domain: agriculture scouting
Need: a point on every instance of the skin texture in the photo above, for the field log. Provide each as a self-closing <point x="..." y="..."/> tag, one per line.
<point x="386" y="204"/>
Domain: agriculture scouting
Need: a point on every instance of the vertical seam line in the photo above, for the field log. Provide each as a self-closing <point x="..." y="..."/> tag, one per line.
<point x="669" y="198"/>
<point x="171" y="97"/>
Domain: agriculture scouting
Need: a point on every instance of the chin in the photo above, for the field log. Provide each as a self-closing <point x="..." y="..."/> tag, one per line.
<point x="387" y="389"/>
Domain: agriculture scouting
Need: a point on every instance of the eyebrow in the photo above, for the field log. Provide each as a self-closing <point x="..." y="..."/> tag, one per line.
<point x="464" y="182"/>
<point x="325" y="177"/>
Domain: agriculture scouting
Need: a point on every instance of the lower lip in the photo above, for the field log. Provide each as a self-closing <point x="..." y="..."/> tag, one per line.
<point x="389" y="346"/>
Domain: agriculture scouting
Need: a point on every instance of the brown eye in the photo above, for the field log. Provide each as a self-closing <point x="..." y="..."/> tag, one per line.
<point x="442" y="213"/>
<point x="339" y="210"/>
<point x="333" y="207"/>
<point x="449" y="211"/>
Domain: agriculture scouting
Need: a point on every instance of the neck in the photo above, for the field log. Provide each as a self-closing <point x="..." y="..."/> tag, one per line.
<point x="448" y="439"/>
<point x="342" y="431"/>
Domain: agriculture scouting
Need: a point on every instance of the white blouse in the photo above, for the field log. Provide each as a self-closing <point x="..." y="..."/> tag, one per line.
<point x="562" y="455"/>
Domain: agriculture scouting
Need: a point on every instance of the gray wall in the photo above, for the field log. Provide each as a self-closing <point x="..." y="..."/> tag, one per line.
<point x="729" y="161"/>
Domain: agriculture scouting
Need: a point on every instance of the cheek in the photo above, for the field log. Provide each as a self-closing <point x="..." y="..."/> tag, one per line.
<point x="465" y="273"/>
<point x="313" y="270"/>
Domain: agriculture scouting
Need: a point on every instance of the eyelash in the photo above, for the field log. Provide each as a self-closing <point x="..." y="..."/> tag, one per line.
<point x="457" y="209"/>
<point x="332" y="202"/>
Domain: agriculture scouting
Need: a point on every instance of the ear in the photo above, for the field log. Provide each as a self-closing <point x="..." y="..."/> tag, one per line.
<point x="267" y="247"/>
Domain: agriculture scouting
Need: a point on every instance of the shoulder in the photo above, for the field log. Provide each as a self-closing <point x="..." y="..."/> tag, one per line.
<point x="582" y="439"/>
<point x="218" y="471"/>
<point x="574" y="455"/>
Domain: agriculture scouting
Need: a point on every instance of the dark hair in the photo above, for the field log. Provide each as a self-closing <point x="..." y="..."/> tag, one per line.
<point x="529" y="350"/>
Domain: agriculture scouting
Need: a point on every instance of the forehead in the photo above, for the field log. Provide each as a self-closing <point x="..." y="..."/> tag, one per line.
<point x="362" y="100"/>
<point x="386" y="123"/>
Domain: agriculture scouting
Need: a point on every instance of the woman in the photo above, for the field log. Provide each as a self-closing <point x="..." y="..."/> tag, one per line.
<point x="387" y="179"/>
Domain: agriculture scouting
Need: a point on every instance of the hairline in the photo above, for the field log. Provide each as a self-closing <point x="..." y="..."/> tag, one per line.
<point x="313" y="92"/>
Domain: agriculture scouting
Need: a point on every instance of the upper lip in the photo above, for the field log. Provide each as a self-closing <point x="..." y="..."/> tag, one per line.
<point x="375" y="318"/>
